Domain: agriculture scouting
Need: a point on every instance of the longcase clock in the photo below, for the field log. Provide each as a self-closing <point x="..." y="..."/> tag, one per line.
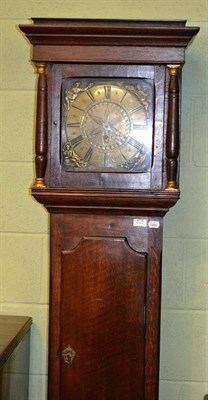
<point x="107" y="156"/>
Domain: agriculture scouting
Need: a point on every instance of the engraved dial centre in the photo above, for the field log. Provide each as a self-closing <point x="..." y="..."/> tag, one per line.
<point x="106" y="125"/>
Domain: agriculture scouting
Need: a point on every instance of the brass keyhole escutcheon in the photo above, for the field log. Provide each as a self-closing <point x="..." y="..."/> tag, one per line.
<point x="68" y="355"/>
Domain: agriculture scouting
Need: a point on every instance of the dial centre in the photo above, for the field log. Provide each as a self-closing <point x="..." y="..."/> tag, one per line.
<point x="106" y="125"/>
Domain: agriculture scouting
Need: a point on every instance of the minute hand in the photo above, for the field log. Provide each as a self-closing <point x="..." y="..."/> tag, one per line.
<point x="115" y="120"/>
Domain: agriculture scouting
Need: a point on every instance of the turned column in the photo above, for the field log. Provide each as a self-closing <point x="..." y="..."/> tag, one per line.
<point x="172" y="138"/>
<point x="41" y="128"/>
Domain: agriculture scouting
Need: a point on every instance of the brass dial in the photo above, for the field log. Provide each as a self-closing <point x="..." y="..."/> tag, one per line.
<point x="106" y="126"/>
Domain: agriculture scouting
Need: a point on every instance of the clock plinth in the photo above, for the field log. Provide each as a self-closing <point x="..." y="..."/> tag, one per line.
<point x="107" y="156"/>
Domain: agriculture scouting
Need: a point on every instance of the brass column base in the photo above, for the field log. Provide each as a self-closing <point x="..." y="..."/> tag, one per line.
<point x="171" y="185"/>
<point x="39" y="183"/>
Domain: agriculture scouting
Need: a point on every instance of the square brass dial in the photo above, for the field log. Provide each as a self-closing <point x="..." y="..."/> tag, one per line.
<point x="107" y="124"/>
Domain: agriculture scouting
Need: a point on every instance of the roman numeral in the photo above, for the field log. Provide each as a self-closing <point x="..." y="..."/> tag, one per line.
<point x="107" y="92"/>
<point x="136" y="109"/>
<point x="77" y="140"/>
<point x="123" y="156"/>
<point x="105" y="159"/>
<point x="135" y="144"/>
<point x="88" y="154"/>
<point x="73" y="125"/>
<point x="90" y="95"/>
<point x="123" y="97"/>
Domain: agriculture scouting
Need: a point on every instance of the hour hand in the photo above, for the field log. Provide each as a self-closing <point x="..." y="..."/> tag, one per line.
<point x="96" y="119"/>
<point x="96" y="131"/>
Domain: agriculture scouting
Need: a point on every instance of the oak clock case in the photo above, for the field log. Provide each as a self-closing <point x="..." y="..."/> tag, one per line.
<point x="107" y="152"/>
